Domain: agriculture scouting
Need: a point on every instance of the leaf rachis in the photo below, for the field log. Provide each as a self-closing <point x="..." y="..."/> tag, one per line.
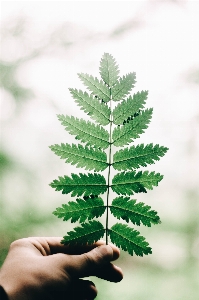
<point x="109" y="170"/>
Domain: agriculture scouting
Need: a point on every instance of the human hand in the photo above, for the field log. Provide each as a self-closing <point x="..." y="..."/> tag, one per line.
<point x="42" y="268"/>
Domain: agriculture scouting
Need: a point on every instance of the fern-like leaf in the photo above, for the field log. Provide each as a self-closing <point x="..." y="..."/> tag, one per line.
<point x="83" y="157"/>
<point x="81" y="210"/>
<point x="137" y="156"/>
<point x="82" y="184"/>
<point x="129" y="239"/>
<point x="99" y="112"/>
<point x="126" y="121"/>
<point x="123" y="87"/>
<point x="126" y="209"/>
<point x="123" y="135"/>
<point x="98" y="88"/>
<point x="129" y="107"/>
<point x="87" y="132"/>
<point x="109" y="69"/>
<point x="88" y="233"/>
<point x="128" y="183"/>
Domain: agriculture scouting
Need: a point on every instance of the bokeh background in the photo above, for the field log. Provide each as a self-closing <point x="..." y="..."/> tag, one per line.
<point x="44" y="45"/>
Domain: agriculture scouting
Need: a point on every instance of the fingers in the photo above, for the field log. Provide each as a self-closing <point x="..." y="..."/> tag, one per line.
<point x="82" y="289"/>
<point x="81" y="249"/>
<point x="83" y="261"/>
<point x="77" y="290"/>
<point x="44" y="246"/>
<point x="52" y="245"/>
<point x="94" y="263"/>
<point x="110" y="272"/>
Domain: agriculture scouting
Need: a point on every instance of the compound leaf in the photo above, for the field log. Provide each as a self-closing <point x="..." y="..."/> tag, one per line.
<point x="129" y="107"/>
<point x="129" y="120"/>
<point x="85" y="131"/>
<point x="100" y="112"/>
<point x="81" y="210"/>
<point x="128" y="183"/>
<point x="109" y="69"/>
<point x="98" y="88"/>
<point x="137" y="156"/>
<point x="129" y="239"/>
<point x="123" y="135"/>
<point x="82" y="184"/>
<point x="126" y="209"/>
<point x="88" y="233"/>
<point x="84" y="157"/>
<point x="123" y="87"/>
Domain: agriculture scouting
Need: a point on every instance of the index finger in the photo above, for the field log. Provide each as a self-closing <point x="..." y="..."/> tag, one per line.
<point x="52" y="245"/>
<point x="56" y="246"/>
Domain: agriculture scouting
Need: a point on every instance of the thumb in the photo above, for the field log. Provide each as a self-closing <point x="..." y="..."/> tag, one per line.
<point x="90" y="263"/>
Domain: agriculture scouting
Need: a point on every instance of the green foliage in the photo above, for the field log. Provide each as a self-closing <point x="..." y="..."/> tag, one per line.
<point x="137" y="156"/>
<point x="126" y="121"/>
<point x="82" y="156"/>
<point x="126" y="209"/>
<point x="123" y="87"/>
<point x="129" y="239"/>
<point x="97" y="87"/>
<point x="82" y="209"/>
<point x="124" y="135"/>
<point x="128" y="183"/>
<point x="109" y="70"/>
<point x="129" y="107"/>
<point x="82" y="184"/>
<point x="86" y="132"/>
<point x="90" y="105"/>
<point x="88" y="233"/>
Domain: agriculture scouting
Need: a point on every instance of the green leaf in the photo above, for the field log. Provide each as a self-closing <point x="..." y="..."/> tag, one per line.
<point x="88" y="233"/>
<point x="123" y="135"/>
<point x="129" y="107"/>
<point x="82" y="184"/>
<point x="136" y="156"/>
<point x="123" y="87"/>
<point x="99" y="112"/>
<point x="128" y="183"/>
<point x="129" y="240"/>
<point x="126" y="209"/>
<point x="127" y="121"/>
<point x="109" y="69"/>
<point x="81" y="210"/>
<point x="87" y="132"/>
<point x="83" y="157"/>
<point x="98" y="88"/>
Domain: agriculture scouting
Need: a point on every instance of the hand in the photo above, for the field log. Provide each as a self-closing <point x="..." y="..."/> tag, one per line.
<point x="42" y="268"/>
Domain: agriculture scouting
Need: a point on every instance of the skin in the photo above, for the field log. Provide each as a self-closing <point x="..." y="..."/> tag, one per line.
<point x="42" y="268"/>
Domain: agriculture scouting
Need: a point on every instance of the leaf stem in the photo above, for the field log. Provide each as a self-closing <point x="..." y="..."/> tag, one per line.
<point x="109" y="171"/>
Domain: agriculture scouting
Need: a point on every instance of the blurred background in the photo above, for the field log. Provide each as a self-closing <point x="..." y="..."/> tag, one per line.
<point x="44" y="45"/>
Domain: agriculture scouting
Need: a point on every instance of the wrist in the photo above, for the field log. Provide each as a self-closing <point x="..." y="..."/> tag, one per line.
<point x="8" y="288"/>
